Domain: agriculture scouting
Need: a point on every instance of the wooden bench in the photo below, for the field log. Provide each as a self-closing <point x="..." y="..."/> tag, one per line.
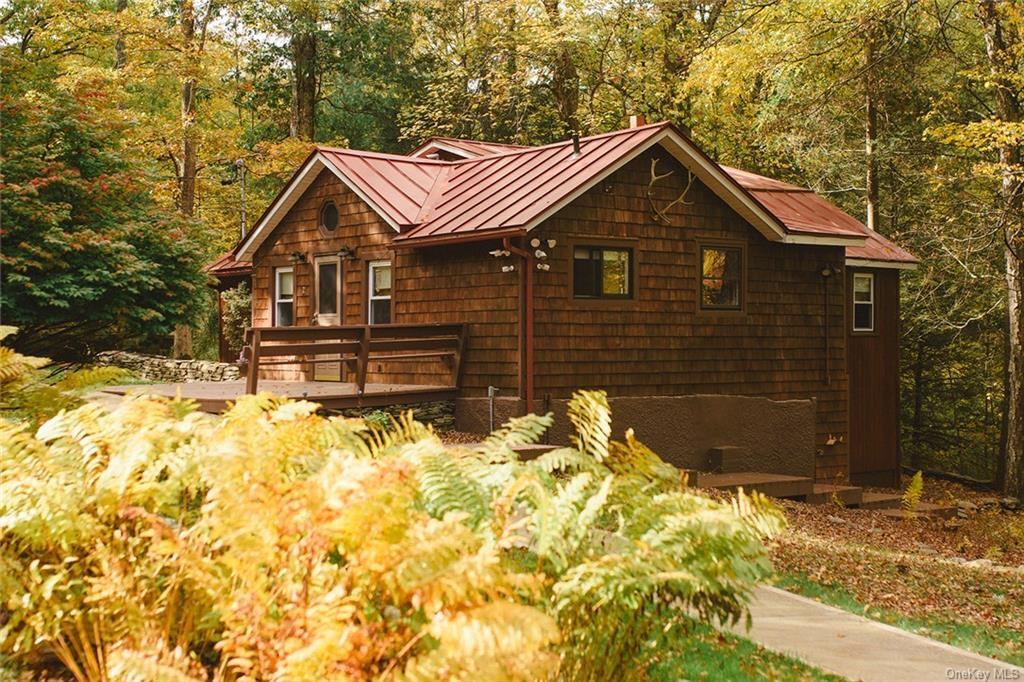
<point x="354" y="345"/>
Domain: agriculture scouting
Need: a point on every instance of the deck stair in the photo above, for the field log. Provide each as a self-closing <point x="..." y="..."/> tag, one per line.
<point x="871" y="500"/>
<point x="923" y="509"/>
<point x="773" y="485"/>
<point x="824" y="493"/>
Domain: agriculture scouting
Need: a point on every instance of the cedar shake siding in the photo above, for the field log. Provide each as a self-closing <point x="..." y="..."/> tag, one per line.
<point x="450" y="284"/>
<point x="660" y="342"/>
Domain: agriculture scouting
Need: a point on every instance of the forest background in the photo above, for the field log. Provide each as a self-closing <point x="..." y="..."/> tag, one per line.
<point x="131" y="127"/>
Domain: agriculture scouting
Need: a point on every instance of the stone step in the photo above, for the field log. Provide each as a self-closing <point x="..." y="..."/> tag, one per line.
<point x="923" y="509"/>
<point x="880" y="501"/>
<point x="773" y="485"/>
<point x="534" y="450"/>
<point x="825" y="493"/>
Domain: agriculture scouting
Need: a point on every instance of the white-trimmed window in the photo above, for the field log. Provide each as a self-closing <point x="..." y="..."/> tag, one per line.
<point x="379" y="303"/>
<point x="284" y="297"/>
<point x="863" y="302"/>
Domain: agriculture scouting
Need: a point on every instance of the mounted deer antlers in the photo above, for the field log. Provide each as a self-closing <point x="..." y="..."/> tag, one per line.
<point x="661" y="214"/>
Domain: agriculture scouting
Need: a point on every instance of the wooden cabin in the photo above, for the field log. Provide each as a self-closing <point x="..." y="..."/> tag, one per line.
<point x="628" y="261"/>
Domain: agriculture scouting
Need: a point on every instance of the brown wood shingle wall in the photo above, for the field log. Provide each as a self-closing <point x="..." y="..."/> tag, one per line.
<point x="457" y="284"/>
<point x="660" y="342"/>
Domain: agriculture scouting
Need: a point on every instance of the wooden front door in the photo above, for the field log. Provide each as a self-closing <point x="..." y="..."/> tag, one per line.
<point x="327" y="307"/>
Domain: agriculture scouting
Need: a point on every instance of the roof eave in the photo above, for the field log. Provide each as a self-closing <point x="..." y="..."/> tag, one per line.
<point x="881" y="264"/>
<point x="409" y="242"/>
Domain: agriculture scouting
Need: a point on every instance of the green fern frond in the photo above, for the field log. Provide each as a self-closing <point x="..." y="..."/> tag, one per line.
<point x="590" y="415"/>
<point x="912" y="494"/>
<point x="524" y="430"/>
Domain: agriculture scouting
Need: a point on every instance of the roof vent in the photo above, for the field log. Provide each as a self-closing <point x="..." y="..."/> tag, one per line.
<point x="637" y="120"/>
<point x="575" y="144"/>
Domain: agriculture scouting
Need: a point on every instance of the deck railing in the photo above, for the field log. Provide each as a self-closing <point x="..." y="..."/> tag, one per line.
<point x="354" y="346"/>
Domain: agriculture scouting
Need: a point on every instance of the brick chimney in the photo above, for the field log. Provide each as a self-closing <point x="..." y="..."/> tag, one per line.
<point x="637" y="120"/>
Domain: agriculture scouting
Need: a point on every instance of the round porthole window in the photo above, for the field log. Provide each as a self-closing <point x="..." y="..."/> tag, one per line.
<point x="329" y="216"/>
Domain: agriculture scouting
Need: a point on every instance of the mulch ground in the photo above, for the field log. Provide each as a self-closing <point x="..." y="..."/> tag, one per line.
<point x="916" y="567"/>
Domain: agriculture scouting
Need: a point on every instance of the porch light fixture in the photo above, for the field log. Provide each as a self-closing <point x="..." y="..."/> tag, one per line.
<point x="297" y="257"/>
<point x="829" y="270"/>
<point x="346" y="253"/>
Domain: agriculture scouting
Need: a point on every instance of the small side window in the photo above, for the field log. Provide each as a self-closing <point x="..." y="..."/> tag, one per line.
<point x="329" y="217"/>
<point x="863" y="302"/>
<point x="379" y="304"/>
<point x="602" y="272"/>
<point x="284" y="297"/>
<point x="721" y="284"/>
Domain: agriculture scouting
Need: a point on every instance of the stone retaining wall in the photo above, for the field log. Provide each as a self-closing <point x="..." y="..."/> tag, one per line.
<point x="441" y="413"/>
<point x="159" y="368"/>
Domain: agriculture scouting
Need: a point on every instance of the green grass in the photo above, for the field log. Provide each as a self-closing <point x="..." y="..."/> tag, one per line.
<point x="706" y="654"/>
<point x="999" y="643"/>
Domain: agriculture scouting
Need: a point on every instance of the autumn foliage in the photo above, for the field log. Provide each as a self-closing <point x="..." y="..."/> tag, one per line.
<point x="155" y="542"/>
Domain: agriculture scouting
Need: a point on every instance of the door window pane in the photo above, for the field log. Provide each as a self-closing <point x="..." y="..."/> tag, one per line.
<point x="863" y="302"/>
<point x="327" y="291"/>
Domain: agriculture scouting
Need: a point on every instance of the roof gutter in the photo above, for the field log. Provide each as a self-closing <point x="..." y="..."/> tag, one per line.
<point x="462" y="238"/>
<point x="881" y="264"/>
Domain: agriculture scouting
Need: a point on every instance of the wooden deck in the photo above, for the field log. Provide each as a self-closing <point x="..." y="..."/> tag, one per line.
<point x="214" y="396"/>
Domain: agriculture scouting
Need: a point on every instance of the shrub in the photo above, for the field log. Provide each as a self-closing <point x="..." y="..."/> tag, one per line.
<point x="154" y="542"/>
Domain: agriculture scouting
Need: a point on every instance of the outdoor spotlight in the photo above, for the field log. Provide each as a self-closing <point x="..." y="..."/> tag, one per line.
<point x="540" y="254"/>
<point x="544" y="266"/>
<point x="508" y="268"/>
<point x="498" y="253"/>
<point x="551" y="243"/>
<point x="535" y="242"/>
<point x="297" y="257"/>
<point x="346" y="252"/>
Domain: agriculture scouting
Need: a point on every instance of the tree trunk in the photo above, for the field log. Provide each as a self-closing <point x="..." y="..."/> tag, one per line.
<point x="870" y="137"/>
<point x="1001" y="45"/>
<point x="1013" y="462"/>
<point x="565" y="79"/>
<point x="304" y="82"/>
<point x="182" y="347"/>
<point x="119" y="54"/>
<point x="915" y="455"/>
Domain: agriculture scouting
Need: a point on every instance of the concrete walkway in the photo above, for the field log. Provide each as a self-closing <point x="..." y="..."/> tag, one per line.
<point x="858" y="648"/>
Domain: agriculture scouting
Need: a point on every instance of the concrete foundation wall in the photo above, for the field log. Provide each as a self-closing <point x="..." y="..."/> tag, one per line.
<point x="777" y="434"/>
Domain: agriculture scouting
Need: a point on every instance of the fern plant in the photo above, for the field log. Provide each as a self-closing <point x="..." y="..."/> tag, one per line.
<point x="154" y="542"/>
<point x="28" y="393"/>
<point x="912" y="494"/>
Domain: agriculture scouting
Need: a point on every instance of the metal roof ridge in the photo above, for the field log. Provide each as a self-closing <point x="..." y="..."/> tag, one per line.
<point x="384" y="156"/>
<point x="561" y="143"/>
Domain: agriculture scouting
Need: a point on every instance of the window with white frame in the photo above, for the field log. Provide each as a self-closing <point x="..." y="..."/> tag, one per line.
<point x="379" y="303"/>
<point x="863" y="302"/>
<point x="284" y="297"/>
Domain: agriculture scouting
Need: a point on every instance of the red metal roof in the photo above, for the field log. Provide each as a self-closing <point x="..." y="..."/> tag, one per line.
<point x="503" y="189"/>
<point x="397" y="185"/>
<point x="506" y="191"/>
<point x="227" y="266"/>
<point x="801" y="210"/>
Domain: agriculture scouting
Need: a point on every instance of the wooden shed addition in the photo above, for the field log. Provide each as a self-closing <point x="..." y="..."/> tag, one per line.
<point x="628" y="261"/>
